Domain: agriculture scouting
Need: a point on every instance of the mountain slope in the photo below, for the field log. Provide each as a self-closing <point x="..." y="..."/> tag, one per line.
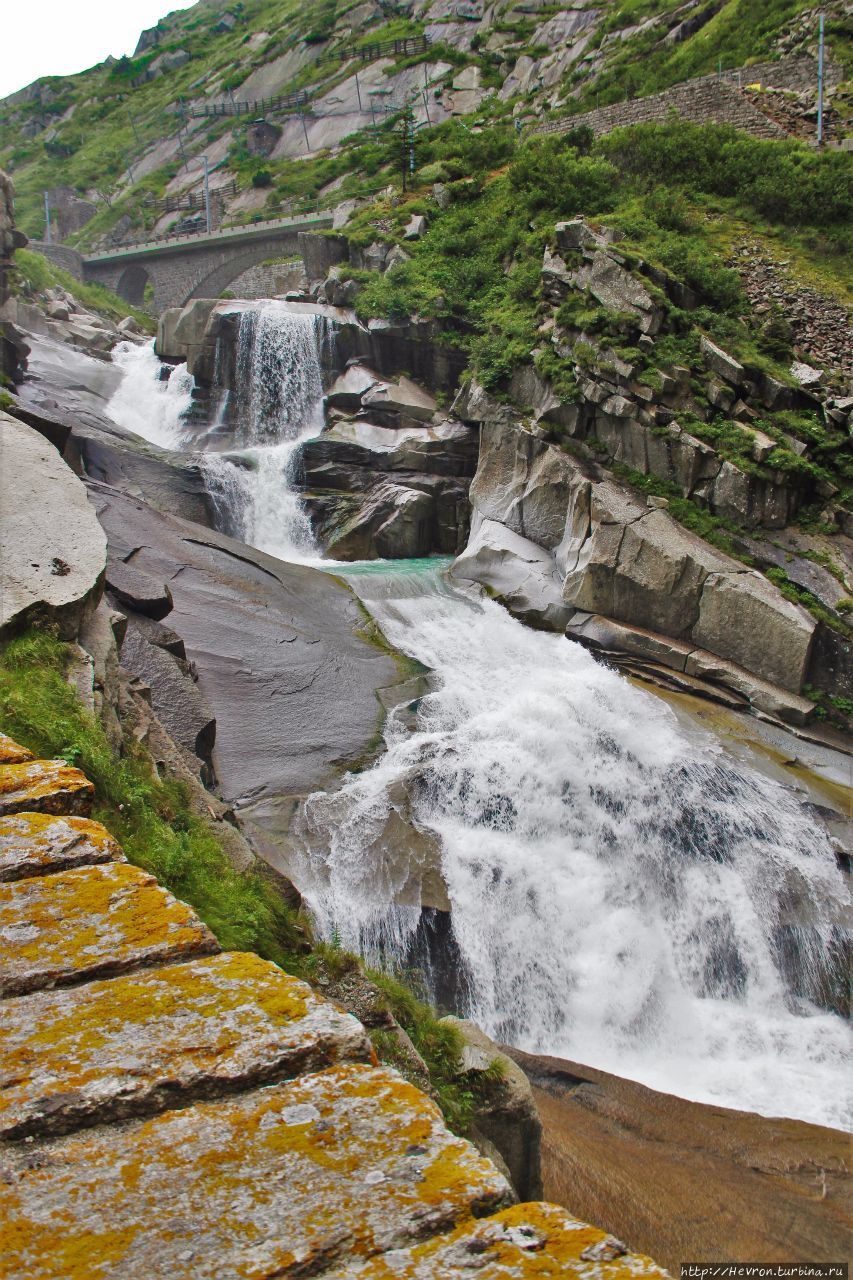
<point x="125" y="135"/>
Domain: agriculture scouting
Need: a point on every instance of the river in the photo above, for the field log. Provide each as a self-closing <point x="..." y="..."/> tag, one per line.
<point x="624" y="891"/>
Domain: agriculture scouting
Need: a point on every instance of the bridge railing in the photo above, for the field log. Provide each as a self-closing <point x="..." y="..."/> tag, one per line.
<point x="302" y="218"/>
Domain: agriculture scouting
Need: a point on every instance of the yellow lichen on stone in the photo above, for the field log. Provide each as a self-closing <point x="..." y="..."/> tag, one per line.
<point x="44" y="786"/>
<point x="526" y="1242"/>
<point x="33" y="844"/>
<point x="319" y="1169"/>
<point x="136" y="1044"/>
<point x="91" y="922"/>
<point x="11" y="752"/>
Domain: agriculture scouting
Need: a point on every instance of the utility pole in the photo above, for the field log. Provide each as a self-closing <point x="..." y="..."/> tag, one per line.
<point x="358" y="91"/>
<point x="207" y="195"/>
<point x="48" y="233"/>
<point x="820" y="81"/>
<point x="133" y="127"/>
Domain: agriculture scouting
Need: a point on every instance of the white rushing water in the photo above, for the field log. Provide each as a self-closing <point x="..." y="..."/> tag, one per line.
<point x="619" y="890"/>
<point x="624" y="893"/>
<point x="153" y="409"/>
<point x="278" y="402"/>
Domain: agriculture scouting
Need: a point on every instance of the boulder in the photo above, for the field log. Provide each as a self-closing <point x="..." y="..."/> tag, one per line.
<point x="403" y="398"/>
<point x="177" y="701"/>
<point x="337" y="291"/>
<point x="347" y="390"/>
<point x="181" y="331"/>
<point x="393" y="522"/>
<point x="598" y="633"/>
<point x="576" y="234"/>
<point x="616" y="289"/>
<point x="521" y="574"/>
<point x="744" y="618"/>
<point x="720" y="363"/>
<point x="415" y="227"/>
<point x="396" y="256"/>
<point x="53" y="550"/>
<point x="505" y="1114"/>
<point x="527" y="485"/>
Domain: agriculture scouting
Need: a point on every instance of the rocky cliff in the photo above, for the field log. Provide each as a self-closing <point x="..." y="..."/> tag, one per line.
<point x="13" y="349"/>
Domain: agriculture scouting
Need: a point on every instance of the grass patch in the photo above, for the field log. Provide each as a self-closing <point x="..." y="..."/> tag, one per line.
<point x="151" y="818"/>
<point x="33" y="273"/>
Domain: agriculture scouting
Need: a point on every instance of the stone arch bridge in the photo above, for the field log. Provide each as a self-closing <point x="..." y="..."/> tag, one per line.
<point x="193" y="266"/>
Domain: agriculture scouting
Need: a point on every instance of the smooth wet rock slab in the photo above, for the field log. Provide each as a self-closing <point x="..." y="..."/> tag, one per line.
<point x="36" y="844"/>
<point x="526" y="1242"/>
<point x="160" y="1038"/>
<point x="44" y="786"/>
<point x="283" y="1182"/>
<point x="91" y="922"/>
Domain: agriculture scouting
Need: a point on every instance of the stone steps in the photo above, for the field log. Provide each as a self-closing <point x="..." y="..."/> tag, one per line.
<point x="170" y="1110"/>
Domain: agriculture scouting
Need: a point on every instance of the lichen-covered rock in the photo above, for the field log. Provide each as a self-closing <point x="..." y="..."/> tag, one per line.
<point x="526" y="1242"/>
<point x="286" y="1181"/>
<point x="44" y="786"/>
<point x="52" y="551"/>
<point x="11" y="752"/>
<point x="36" y="844"/>
<point x="139" y="1044"/>
<point x="91" y="922"/>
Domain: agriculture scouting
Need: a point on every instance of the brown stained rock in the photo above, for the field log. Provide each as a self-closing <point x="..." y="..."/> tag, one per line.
<point x="44" y="786"/>
<point x="282" y="1182"/>
<point x="161" y="1038"/>
<point x="11" y="752"/>
<point x="37" y="844"/>
<point x="526" y="1242"/>
<point x="91" y="922"/>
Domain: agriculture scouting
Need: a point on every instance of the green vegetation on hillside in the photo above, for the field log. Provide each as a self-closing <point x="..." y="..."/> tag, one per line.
<point x="33" y="274"/>
<point x="121" y="132"/>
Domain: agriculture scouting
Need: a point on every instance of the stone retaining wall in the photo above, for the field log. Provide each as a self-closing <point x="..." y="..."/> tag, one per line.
<point x="171" y="1110"/>
<point x="62" y="256"/>
<point x="709" y="98"/>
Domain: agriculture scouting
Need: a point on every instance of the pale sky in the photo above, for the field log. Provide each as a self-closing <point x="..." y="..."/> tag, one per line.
<point x="59" y="37"/>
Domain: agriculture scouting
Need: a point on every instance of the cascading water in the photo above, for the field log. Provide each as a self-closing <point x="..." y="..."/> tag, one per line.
<point x="622" y="893"/>
<point x="153" y="409"/>
<point x="277" y="402"/>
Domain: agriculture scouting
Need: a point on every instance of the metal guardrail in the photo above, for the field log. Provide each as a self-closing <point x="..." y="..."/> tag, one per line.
<point x="176" y="239"/>
<point x="257" y="106"/>
<point x="191" y="201"/>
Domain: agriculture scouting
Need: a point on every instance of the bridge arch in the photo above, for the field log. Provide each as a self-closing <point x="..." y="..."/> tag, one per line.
<point x="132" y="283"/>
<point x="214" y="278"/>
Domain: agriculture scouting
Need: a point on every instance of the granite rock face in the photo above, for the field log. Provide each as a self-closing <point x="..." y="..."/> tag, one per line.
<point x="588" y="544"/>
<point x="52" y="569"/>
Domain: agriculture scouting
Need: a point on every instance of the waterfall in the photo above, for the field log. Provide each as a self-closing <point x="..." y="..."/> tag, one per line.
<point x="276" y="403"/>
<point x="159" y="417"/>
<point x="623" y="893"/>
